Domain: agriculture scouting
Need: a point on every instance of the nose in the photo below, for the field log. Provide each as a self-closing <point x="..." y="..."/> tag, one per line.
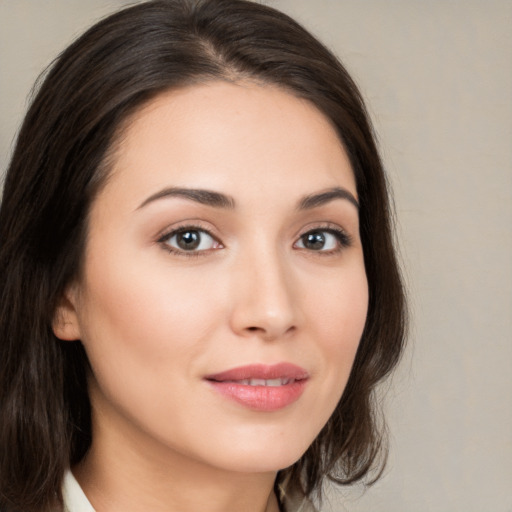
<point x="265" y="303"/>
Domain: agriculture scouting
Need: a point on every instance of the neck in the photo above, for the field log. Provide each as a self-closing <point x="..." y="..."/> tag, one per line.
<point x="125" y="470"/>
<point x="114" y="488"/>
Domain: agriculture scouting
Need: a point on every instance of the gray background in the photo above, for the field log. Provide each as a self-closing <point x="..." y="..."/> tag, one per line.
<point x="437" y="76"/>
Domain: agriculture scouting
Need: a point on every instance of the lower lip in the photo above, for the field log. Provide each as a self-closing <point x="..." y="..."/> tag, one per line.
<point x="261" y="398"/>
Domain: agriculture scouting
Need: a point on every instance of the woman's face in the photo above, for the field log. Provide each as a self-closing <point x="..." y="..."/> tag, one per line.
<point x="224" y="292"/>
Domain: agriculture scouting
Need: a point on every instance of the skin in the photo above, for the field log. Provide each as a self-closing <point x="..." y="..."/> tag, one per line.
<point x="156" y="319"/>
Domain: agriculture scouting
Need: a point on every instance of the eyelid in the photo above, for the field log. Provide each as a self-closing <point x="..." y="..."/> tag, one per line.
<point x="184" y="224"/>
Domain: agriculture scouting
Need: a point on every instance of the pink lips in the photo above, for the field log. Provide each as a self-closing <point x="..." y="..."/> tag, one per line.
<point x="261" y="387"/>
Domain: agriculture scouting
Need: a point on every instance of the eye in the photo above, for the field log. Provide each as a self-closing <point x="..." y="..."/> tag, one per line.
<point x="323" y="240"/>
<point x="190" y="239"/>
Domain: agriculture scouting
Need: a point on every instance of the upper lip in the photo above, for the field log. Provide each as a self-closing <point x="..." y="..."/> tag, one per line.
<point x="261" y="371"/>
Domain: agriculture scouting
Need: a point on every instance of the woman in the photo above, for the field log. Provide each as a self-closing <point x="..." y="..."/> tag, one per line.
<point x="200" y="291"/>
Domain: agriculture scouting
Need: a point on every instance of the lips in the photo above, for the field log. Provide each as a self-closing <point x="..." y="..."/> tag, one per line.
<point x="264" y="388"/>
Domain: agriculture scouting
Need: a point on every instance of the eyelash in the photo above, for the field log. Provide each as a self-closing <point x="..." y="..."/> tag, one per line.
<point x="344" y="240"/>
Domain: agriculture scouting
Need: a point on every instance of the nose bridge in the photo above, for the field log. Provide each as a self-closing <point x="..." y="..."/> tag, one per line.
<point x="265" y="302"/>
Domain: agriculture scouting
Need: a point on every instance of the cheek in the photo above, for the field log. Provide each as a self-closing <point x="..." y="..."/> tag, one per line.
<point x="338" y="317"/>
<point x="340" y="308"/>
<point x="143" y="333"/>
<point x="152" y="316"/>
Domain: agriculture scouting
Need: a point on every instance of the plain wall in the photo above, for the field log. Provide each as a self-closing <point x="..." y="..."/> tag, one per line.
<point x="437" y="76"/>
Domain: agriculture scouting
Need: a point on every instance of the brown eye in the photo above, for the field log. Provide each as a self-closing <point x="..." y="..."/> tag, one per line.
<point x="323" y="240"/>
<point x="314" y="240"/>
<point x="189" y="240"/>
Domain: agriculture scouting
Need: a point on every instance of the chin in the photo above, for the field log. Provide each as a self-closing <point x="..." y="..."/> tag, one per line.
<point x="262" y="454"/>
<point x="262" y="462"/>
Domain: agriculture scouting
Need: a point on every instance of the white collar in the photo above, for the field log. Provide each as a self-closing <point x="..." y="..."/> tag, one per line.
<point x="74" y="498"/>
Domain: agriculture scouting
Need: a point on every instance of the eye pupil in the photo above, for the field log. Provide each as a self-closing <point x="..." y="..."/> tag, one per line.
<point x="314" y="240"/>
<point x="188" y="240"/>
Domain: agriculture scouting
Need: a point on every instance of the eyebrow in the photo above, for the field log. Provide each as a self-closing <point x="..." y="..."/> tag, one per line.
<point x="315" y="200"/>
<point x="206" y="197"/>
<point x="219" y="200"/>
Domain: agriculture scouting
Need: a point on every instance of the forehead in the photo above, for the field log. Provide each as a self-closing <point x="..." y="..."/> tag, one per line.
<point x="225" y="136"/>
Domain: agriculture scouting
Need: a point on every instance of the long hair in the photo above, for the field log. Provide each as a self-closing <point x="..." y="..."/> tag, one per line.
<point x="61" y="160"/>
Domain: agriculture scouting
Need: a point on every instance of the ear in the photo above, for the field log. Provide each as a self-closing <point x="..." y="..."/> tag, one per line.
<point x="65" y="322"/>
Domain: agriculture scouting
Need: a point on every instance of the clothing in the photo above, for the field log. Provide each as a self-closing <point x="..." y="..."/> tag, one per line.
<point x="74" y="498"/>
<point x="76" y="501"/>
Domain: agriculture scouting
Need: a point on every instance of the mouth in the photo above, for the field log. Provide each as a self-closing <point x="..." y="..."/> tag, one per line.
<point x="263" y="388"/>
<point x="259" y="382"/>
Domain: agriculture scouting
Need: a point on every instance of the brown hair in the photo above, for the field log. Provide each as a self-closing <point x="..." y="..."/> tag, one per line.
<point x="60" y="162"/>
